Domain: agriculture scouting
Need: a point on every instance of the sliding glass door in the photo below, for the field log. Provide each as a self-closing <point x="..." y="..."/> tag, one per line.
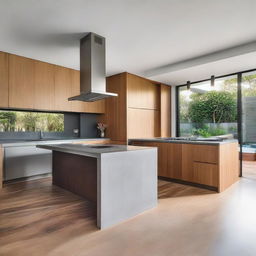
<point x="248" y="123"/>
<point x="208" y="109"/>
<point x="222" y="106"/>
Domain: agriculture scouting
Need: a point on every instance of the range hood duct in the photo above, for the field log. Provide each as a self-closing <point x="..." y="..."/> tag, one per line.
<point x="92" y="69"/>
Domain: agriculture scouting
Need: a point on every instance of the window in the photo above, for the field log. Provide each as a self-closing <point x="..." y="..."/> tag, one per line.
<point x="21" y="121"/>
<point x="206" y="110"/>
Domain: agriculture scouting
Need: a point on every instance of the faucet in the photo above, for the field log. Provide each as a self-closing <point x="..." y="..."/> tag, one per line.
<point x="41" y="134"/>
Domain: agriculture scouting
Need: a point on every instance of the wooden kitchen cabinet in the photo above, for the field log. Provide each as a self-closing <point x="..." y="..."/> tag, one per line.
<point x="136" y="111"/>
<point x="62" y="89"/>
<point x="4" y="80"/>
<point x="21" y="82"/>
<point x="174" y="160"/>
<point x="214" y="166"/>
<point x="142" y="123"/>
<point x="35" y="85"/>
<point x="44" y="86"/>
<point x="205" y="173"/>
<point x="205" y="153"/>
<point x="142" y="93"/>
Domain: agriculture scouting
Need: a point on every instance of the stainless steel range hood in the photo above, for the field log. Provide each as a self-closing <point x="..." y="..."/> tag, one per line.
<point x="92" y="69"/>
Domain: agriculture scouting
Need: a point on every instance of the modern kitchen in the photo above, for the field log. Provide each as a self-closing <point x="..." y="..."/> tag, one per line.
<point x="107" y="150"/>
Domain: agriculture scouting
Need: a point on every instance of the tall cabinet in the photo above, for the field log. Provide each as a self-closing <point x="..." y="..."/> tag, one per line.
<point x="4" y="82"/>
<point x="141" y="110"/>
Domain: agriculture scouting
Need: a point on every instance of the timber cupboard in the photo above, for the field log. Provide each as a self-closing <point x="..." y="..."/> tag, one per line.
<point x="35" y="85"/>
<point x="215" y="166"/>
<point x="141" y="110"/>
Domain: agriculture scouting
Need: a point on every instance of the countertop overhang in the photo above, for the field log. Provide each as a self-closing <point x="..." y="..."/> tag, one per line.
<point x="91" y="150"/>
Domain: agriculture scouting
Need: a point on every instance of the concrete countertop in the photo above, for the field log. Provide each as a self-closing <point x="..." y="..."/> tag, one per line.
<point x="203" y="142"/>
<point x="91" y="150"/>
<point x="21" y="143"/>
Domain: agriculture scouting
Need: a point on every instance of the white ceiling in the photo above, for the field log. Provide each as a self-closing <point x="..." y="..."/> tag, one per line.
<point x="141" y="34"/>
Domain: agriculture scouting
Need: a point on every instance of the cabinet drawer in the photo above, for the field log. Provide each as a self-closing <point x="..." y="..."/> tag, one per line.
<point x="205" y="153"/>
<point x="205" y="173"/>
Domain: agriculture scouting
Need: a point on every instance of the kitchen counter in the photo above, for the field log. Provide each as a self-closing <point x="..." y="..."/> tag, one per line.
<point x="210" y="164"/>
<point x="185" y="141"/>
<point x="20" y="143"/>
<point x="22" y="159"/>
<point x="90" y="150"/>
<point x="120" y="180"/>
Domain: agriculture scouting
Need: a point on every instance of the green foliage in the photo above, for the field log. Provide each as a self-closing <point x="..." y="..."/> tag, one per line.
<point x="206" y="131"/>
<point x="213" y="106"/>
<point x="7" y="120"/>
<point x="31" y="121"/>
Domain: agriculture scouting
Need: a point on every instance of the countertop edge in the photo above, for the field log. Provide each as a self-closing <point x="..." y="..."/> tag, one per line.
<point x="42" y="142"/>
<point x="216" y="143"/>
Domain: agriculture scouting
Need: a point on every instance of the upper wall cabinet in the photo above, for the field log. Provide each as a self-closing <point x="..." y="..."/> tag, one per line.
<point x="4" y="80"/>
<point x="30" y="84"/>
<point x="142" y="93"/>
<point x="62" y="88"/>
<point x="21" y="82"/>
<point x="44" y="86"/>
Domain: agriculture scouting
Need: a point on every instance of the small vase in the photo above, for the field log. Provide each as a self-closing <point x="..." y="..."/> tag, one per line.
<point x="102" y="134"/>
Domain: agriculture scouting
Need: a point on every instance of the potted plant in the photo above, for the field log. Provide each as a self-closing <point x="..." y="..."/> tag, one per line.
<point x="101" y="127"/>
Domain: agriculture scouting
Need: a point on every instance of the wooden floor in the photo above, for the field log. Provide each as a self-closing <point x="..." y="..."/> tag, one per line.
<point x="37" y="218"/>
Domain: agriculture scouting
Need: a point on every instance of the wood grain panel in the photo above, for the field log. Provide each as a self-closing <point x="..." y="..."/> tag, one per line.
<point x="63" y="88"/>
<point x="1" y="166"/>
<point x="75" y="173"/>
<point x="116" y="108"/>
<point x="205" y="173"/>
<point x="187" y="162"/>
<point x="142" y="123"/>
<point x="44" y="86"/>
<point x="228" y="165"/>
<point x="142" y="93"/>
<point x="165" y="111"/>
<point x="174" y="156"/>
<point x="205" y="153"/>
<point x="4" y="80"/>
<point x="21" y="82"/>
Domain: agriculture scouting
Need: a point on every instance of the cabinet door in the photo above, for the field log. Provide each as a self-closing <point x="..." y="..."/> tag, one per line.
<point x="4" y="83"/>
<point x="62" y="88"/>
<point x="44" y="86"/>
<point x="174" y="156"/>
<point x="142" y="123"/>
<point x="165" y="110"/>
<point x="21" y="82"/>
<point x="162" y="159"/>
<point x="205" y="153"/>
<point x="142" y="93"/>
<point x="205" y="173"/>
<point x="187" y="162"/>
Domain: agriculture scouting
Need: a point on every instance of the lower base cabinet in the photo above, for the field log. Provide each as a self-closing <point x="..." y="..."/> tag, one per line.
<point x="215" y="166"/>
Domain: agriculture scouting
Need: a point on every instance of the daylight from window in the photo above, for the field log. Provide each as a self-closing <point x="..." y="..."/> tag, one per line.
<point x="21" y="121"/>
<point x="206" y="110"/>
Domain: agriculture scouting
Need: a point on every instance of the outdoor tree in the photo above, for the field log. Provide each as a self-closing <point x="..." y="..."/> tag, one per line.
<point x="213" y="106"/>
<point x="7" y="121"/>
